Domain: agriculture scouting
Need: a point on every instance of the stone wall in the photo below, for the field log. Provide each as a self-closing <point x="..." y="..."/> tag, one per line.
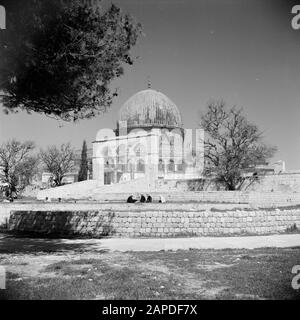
<point x="279" y="183"/>
<point x="255" y="198"/>
<point x="7" y="208"/>
<point x="284" y="182"/>
<point x="261" y="199"/>
<point x="175" y="200"/>
<point x="155" y="223"/>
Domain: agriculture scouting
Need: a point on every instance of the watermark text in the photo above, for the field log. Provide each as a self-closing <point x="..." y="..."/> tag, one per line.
<point x="296" y="279"/>
<point x="2" y="18"/>
<point x="296" y="19"/>
<point x="2" y="278"/>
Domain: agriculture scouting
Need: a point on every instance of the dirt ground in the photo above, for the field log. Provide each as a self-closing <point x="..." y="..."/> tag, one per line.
<point x="49" y="269"/>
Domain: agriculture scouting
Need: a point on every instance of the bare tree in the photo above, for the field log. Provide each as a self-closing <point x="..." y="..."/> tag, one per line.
<point x="83" y="170"/>
<point x="17" y="164"/>
<point x="58" y="161"/>
<point x="232" y="144"/>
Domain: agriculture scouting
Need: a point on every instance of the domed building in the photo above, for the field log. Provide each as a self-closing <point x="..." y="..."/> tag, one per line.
<point x="148" y="145"/>
<point x="149" y="109"/>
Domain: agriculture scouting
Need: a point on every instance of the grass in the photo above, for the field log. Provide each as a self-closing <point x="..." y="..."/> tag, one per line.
<point x="191" y="274"/>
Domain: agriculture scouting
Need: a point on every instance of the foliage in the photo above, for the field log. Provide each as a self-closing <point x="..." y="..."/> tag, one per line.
<point x="232" y="144"/>
<point x="58" y="161"/>
<point x="59" y="57"/>
<point x="83" y="171"/>
<point x="17" y="164"/>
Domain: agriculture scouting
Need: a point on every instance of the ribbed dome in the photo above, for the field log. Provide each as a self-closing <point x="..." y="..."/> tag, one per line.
<point x="150" y="108"/>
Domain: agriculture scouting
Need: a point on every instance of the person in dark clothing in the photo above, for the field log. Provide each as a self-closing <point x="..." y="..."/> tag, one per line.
<point x="131" y="199"/>
<point x="142" y="199"/>
<point x="162" y="199"/>
<point x="149" y="198"/>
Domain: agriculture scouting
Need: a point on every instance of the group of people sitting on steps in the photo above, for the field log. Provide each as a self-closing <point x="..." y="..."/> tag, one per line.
<point x="141" y="198"/>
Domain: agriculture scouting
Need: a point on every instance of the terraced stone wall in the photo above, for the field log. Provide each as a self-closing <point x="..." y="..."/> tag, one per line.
<point x="154" y="223"/>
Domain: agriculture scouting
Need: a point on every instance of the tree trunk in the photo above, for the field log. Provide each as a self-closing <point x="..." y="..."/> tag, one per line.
<point x="230" y="186"/>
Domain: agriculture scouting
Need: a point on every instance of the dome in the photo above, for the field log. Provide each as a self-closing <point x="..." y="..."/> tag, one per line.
<point x="150" y="108"/>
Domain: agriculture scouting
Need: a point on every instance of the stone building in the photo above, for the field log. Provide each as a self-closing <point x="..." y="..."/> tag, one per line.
<point x="151" y="151"/>
<point x="149" y="142"/>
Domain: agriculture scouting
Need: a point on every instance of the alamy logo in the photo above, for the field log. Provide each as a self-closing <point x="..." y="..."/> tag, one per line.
<point x="296" y="19"/>
<point x="296" y="279"/>
<point x="2" y="278"/>
<point x="2" y="18"/>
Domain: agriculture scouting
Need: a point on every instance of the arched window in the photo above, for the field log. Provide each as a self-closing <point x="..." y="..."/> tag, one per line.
<point x="106" y="152"/>
<point x="181" y="167"/>
<point x="171" y="166"/>
<point x="139" y="150"/>
<point x="165" y="144"/>
<point x="109" y="163"/>
<point x="172" y="148"/>
<point x="161" y="166"/>
<point x="140" y="166"/>
<point x="122" y="153"/>
<point x="172" y="140"/>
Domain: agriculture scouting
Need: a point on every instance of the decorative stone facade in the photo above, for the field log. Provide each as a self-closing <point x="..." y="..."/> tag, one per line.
<point x="149" y="142"/>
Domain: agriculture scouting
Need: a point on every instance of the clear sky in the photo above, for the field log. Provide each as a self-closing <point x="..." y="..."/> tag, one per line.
<point x="245" y="52"/>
